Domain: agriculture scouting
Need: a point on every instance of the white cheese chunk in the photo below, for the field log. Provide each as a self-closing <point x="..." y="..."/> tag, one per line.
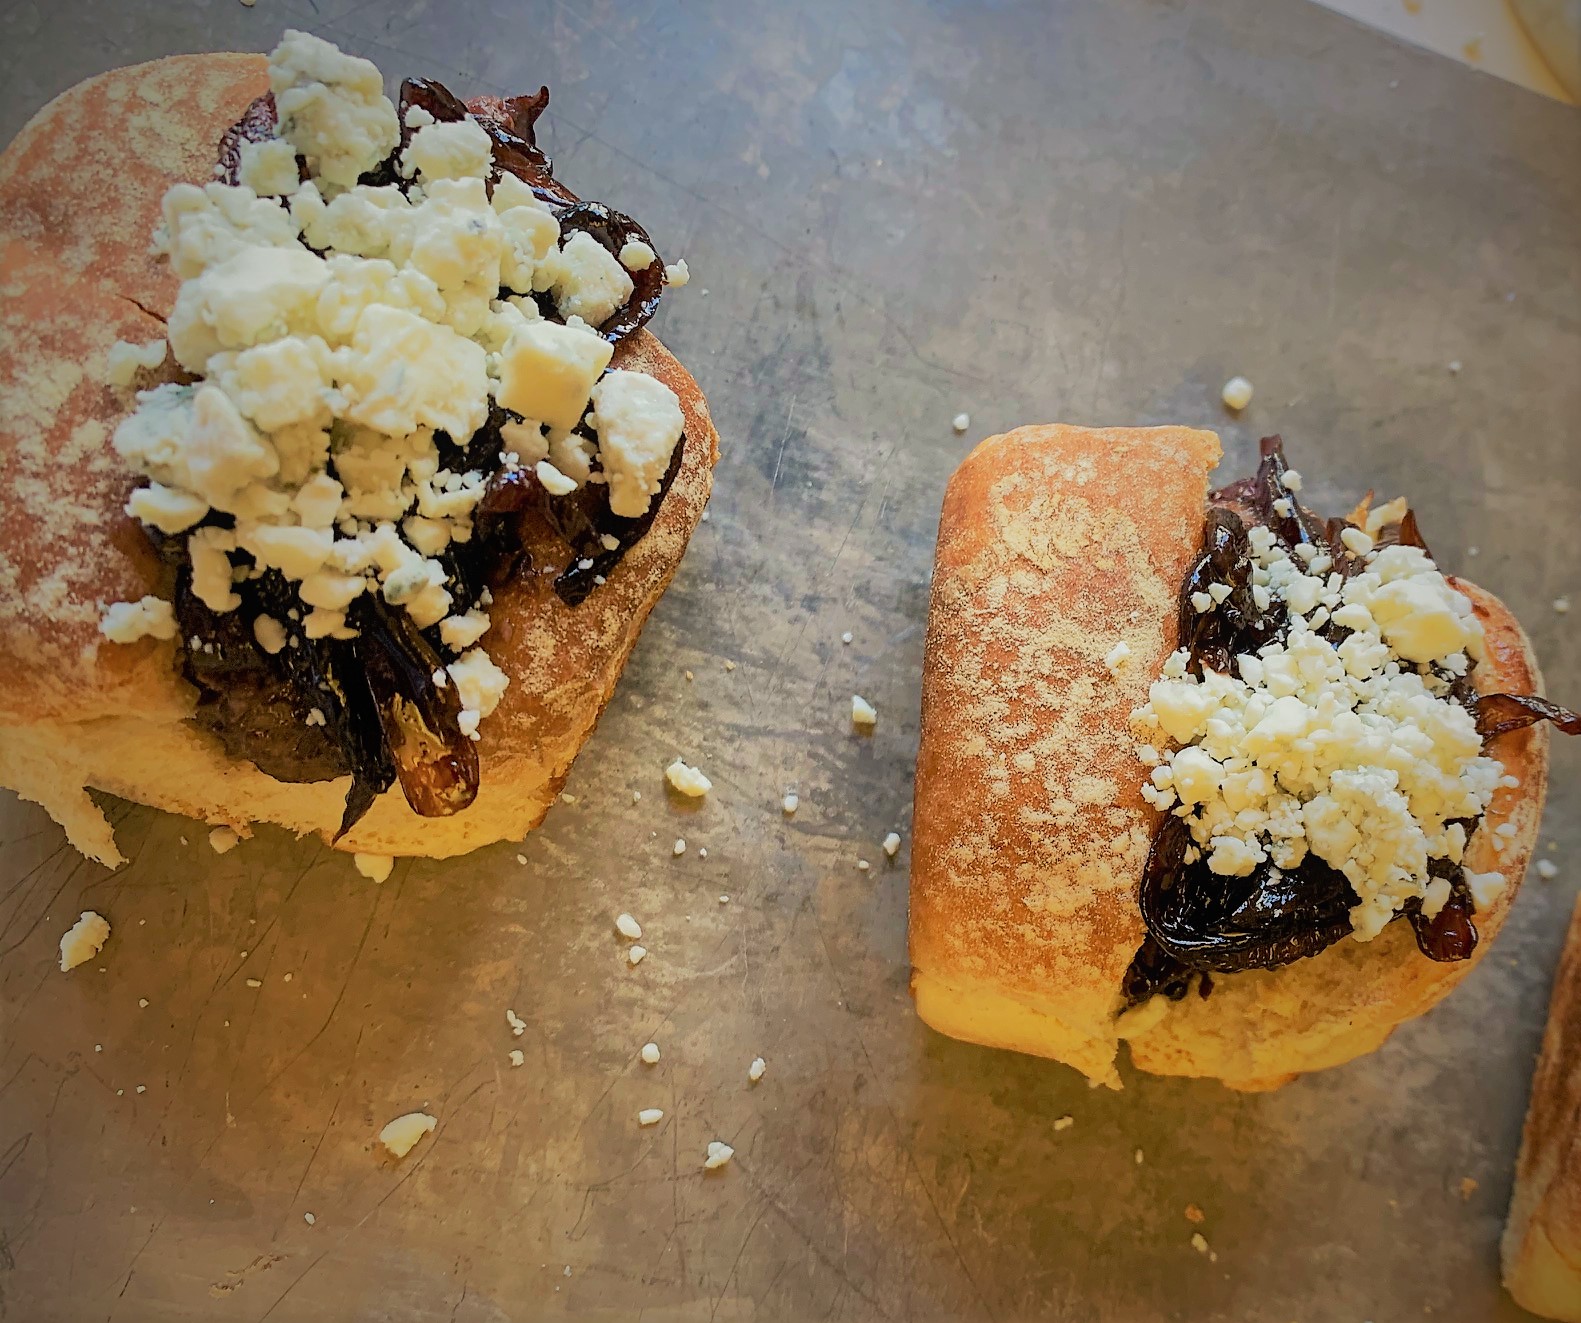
<point x="332" y="107"/>
<point x="687" y="779"/>
<point x="863" y="713"/>
<point x="586" y="280"/>
<point x="678" y="274"/>
<point x="126" y="360"/>
<point x="719" y="1153"/>
<point x="554" y="482"/>
<point x="480" y="684"/>
<point x="83" y="940"/>
<point x="168" y="509"/>
<point x="209" y="551"/>
<point x="401" y="1135"/>
<point x="457" y="150"/>
<point x="1418" y="619"/>
<point x="1237" y="393"/>
<point x="269" y="168"/>
<point x="374" y="867"/>
<point x="650" y="1116"/>
<point x="460" y="632"/>
<point x="270" y="634"/>
<point x="409" y="373"/>
<point x="202" y="227"/>
<point x="547" y="372"/>
<point x="281" y="383"/>
<point x="639" y="422"/>
<point x="258" y="294"/>
<point x="636" y="255"/>
<point x="148" y="617"/>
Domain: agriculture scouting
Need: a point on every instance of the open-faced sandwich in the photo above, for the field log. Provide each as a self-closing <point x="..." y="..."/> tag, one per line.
<point x="1201" y="770"/>
<point x="342" y="506"/>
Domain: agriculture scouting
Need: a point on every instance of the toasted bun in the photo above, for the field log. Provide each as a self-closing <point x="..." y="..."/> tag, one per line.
<point x="78" y="711"/>
<point x="1542" y="1241"/>
<point x="1055" y="544"/>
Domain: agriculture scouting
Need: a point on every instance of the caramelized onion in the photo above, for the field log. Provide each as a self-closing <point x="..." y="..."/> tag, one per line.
<point x="1498" y="714"/>
<point x="437" y="764"/>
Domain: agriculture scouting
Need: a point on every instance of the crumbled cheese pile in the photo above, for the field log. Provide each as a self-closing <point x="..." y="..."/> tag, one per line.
<point x="326" y="375"/>
<point x="1354" y="752"/>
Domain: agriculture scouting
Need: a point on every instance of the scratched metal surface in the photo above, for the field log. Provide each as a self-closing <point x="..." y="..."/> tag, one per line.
<point x="898" y="212"/>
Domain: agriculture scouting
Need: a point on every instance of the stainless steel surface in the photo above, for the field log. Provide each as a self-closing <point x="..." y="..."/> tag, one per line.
<point x="894" y="212"/>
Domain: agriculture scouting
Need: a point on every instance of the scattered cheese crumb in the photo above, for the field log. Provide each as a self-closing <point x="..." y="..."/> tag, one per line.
<point x="636" y="796"/>
<point x="306" y="1217"/>
<point x="847" y="637"/>
<point x="255" y="983"/>
<point x="517" y="1024"/>
<point x="521" y="859"/>
<point x="374" y="867"/>
<point x="83" y="940"/>
<point x="143" y="1002"/>
<point x="680" y="846"/>
<point x="719" y="1153"/>
<point x="1065" y="1122"/>
<point x="862" y="865"/>
<point x="688" y="780"/>
<point x="650" y="1116"/>
<point x="892" y="844"/>
<point x="1139" y="1157"/>
<point x="863" y="713"/>
<point x="730" y="665"/>
<point x="142" y="1088"/>
<point x="1547" y="870"/>
<point x="724" y="900"/>
<point x="627" y="926"/>
<point x="962" y="422"/>
<point x="756" y="1069"/>
<point x="402" y="1134"/>
<point x="1237" y="393"/>
<point x="1454" y="365"/>
<point x="1199" y="1242"/>
<point x="518" y="1057"/>
<point x="635" y="954"/>
<point x="702" y="852"/>
<point x="790" y="803"/>
<point x="650" y="1053"/>
<point x="1561" y="605"/>
<point x="1117" y="657"/>
<point x="223" y="840"/>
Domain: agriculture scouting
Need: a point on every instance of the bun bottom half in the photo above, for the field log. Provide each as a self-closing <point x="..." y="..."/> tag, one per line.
<point x="1055" y="544"/>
